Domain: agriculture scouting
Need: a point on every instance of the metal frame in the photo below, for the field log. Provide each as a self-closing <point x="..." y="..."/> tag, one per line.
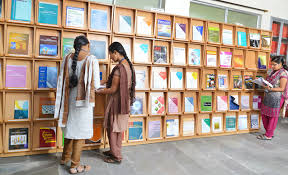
<point x="160" y="2"/>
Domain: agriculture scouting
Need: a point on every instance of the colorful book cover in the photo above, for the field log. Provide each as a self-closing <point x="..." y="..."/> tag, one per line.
<point x="46" y="107"/>
<point x="222" y="103"/>
<point x="262" y="62"/>
<point x="230" y="123"/>
<point x="18" y="138"/>
<point x="242" y="39"/>
<point x="21" y="109"/>
<point x="21" y="10"/>
<point x="176" y="80"/>
<point x="205" y="125"/>
<point x="75" y="17"/>
<point x="160" y="80"/>
<point x="67" y="46"/>
<point x="18" y="43"/>
<point x="217" y="124"/>
<point x="227" y="36"/>
<point x="154" y="129"/>
<point x="16" y="76"/>
<point x="248" y="81"/>
<point x="180" y="31"/>
<point x="242" y="122"/>
<point x="256" y="85"/>
<point x="125" y="24"/>
<point x="192" y="80"/>
<point x="188" y="126"/>
<point x="245" y="102"/>
<point x="237" y="82"/>
<point x="214" y="34"/>
<point x="222" y="81"/>
<point x="173" y="105"/>
<point x="48" y="45"/>
<point x="140" y="79"/>
<point x="141" y="53"/>
<point x="206" y="103"/>
<point x="179" y="55"/>
<point x="48" y="13"/>
<point x="135" y="129"/>
<point x="197" y="33"/>
<point x="98" y="49"/>
<point x="210" y="81"/>
<point x="47" y="77"/>
<point x="266" y="41"/>
<point x="234" y="102"/>
<point x="47" y="137"/>
<point x="225" y="59"/>
<point x="160" y="54"/>
<point x="99" y="19"/>
<point x="144" y="25"/>
<point x="211" y="58"/>
<point x="172" y="127"/>
<point x="254" y="121"/>
<point x="194" y="57"/>
<point x="164" y="28"/>
<point x="158" y="106"/>
<point x="137" y="107"/>
<point x="254" y="39"/>
<point x="97" y="133"/>
<point x="238" y="61"/>
<point x="256" y="102"/>
<point x="189" y="104"/>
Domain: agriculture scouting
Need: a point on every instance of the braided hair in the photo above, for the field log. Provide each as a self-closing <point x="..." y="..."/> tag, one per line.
<point x="78" y="43"/>
<point x="278" y="60"/>
<point x="116" y="46"/>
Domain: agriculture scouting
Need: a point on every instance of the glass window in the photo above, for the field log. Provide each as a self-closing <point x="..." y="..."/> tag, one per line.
<point x="207" y="12"/>
<point x="103" y="1"/>
<point x="143" y="4"/>
<point x="242" y="19"/>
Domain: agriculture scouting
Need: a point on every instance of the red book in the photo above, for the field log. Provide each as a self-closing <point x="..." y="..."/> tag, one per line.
<point x="47" y="137"/>
<point x="285" y="31"/>
<point x="274" y="47"/>
<point x="283" y="49"/>
<point x="275" y="29"/>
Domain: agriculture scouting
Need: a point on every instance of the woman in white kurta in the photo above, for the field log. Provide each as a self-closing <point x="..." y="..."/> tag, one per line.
<point x="78" y="79"/>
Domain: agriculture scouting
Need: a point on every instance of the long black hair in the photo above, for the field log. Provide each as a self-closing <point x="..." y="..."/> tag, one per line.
<point x="116" y="46"/>
<point x="78" y="43"/>
<point x="278" y="60"/>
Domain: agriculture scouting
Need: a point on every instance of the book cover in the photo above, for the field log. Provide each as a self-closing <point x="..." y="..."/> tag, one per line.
<point x="206" y="103"/>
<point x="194" y="57"/>
<point x="173" y="105"/>
<point x="254" y="121"/>
<point x="172" y="127"/>
<point x="283" y="49"/>
<point x="225" y="59"/>
<point x="266" y="41"/>
<point x="262" y="62"/>
<point x="160" y="54"/>
<point x="140" y="79"/>
<point x="234" y="102"/>
<point x="16" y="76"/>
<point x="254" y="39"/>
<point x="242" y="122"/>
<point x="141" y="52"/>
<point x="210" y="81"/>
<point x="197" y="33"/>
<point x="180" y="31"/>
<point x="192" y="80"/>
<point x="125" y="24"/>
<point x="188" y="126"/>
<point x="48" y="13"/>
<point x="217" y="124"/>
<point x="21" y="10"/>
<point x="238" y="61"/>
<point x="75" y="17"/>
<point x="18" y="138"/>
<point x="98" y="49"/>
<point x="164" y="28"/>
<point x="230" y="123"/>
<point x="99" y="19"/>
<point x="67" y="46"/>
<point x="157" y="105"/>
<point x="242" y="39"/>
<point x="47" y="137"/>
<point x="222" y="81"/>
<point x="127" y="48"/>
<point x="160" y="80"/>
<point x="137" y="107"/>
<point x="257" y="86"/>
<point x="46" y="107"/>
<point x="47" y="77"/>
<point x="179" y="55"/>
<point x="256" y="102"/>
<point x="245" y="102"/>
<point x="154" y="129"/>
<point x="176" y="81"/>
<point x="211" y="58"/>
<point x="214" y="34"/>
<point x="135" y="129"/>
<point x="205" y="125"/>
<point x="21" y="109"/>
<point x="237" y="82"/>
<point x="227" y="36"/>
<point x="144" y="25"/>
<point x="248" y="81"/>
<point x="97" y="133"/>
<point x="222" y="103"/>
<point x="48" y="45"/>
<point x="189" y="104"/>
<point x="18" y="43"/>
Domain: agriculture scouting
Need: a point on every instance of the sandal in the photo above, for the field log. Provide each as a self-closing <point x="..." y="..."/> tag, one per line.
<point x="79" y="169"/>
<point x="263" y="137"/>
<point x="107" y="153"/>
<point x="112" y="160"/>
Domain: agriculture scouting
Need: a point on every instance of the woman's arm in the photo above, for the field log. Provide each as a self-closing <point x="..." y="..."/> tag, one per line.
<point x="114" y="87"/>
<point x="283" y="82"/>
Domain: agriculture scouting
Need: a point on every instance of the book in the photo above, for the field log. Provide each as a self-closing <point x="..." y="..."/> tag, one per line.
<point x="211" y="58"/>
<point x="48" y="13"/>
<point x="47" y="77"/>
<point x="248" y="81"/>
<point x="46" y="107"/>
<point x="191" y="80"/>
<point x="164" y="28"/>
<point x="179" y="55"/>
<point x="141" y="52"/>
<point x="157" y="105"/>
<point x="242" y="122"/>
<point x="245" y="102"/>
<point x="214" y="34"/>
<point x="230" y="123"/>
<point x="75" y="17"/>
<point x="262" y="82"/>
<point x="233" y="102"/>
<point x="135" y="130"/>
<point x="197" y="33"/>
<point x="210" y="81"/>
<point x="127" y="48"/>
<point x="256" y="102"/>
<point x="225" y="59"/>
<point x="47" y="137"/>
<point x="180" y="31"/>
<point x="238" y="61"/>
<point x="67" y="46"/>
<point x="140" y="79"/>
<point x="21" y="109"/>
<point x="254" y="39"/>
<point x="21" y="10"/>
<point x="222" y="81"/>
<point x="159" y="79"/>
<point x="266" y="41"/>
<point x="283" y="49"/>
<point x="18" y="138"/>
<point x="227" y="36"/>
<point x="217" y="124"/>
<point x="259" y="84"/>
<point x="206" y="103"/>
<point x="154" y="129"/>
<point x="222" y="103"/>
<point x="172" y="127"/>
<point x="194" y="57"/>
<point x="137" y="107"/>
<point x="242" y="40"/>
<point x="262" y="62"/>
<point x="160" y="54"/>
<point x="189" y="104"/>
<point x="173" y="105"/>
<point x="176" y="81"/>
<point x="188" y="126"/>
<point x="18" y="43"/>
<point x="144" y="25"/>
<point x="254" y="121"/>
<point x="205" y="125"/>
<point x="16" y="76"/>
<point x="125" y="24"/>
<point x="48" y="45"/>
<point x="98" y="49"/>
<point x="237" y="82"/>
<point x="99" y="19"/>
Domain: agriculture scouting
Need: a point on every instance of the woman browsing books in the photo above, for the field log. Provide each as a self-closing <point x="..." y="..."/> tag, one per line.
<point x="121" y="89"/>
<point x="78" y="79"/>
<point x="275" y="97"/>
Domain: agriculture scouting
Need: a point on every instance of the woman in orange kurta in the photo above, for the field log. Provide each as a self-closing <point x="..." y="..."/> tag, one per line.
<point x="121" y="89"/>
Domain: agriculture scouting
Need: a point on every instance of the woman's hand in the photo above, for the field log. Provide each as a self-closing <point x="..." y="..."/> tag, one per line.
<point x="102" y="82"/>
<point x="268" y="88"/>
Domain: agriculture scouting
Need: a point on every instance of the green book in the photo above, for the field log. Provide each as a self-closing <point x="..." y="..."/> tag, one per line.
<point x="206" y="103"/>
<point x="230" y="123"/>
<point x="213" y="34"/>
<point x="67" y="46"/>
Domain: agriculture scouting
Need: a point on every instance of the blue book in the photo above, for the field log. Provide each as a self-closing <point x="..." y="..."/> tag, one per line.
<point x="135" y="130"/>
<point x="21" y="109"/>
<point x="98" y="49"/>
<point x="234" y="104"/>
<point x="48" y="13"/>
<point x="242" y="39"/>
<point x="164" y="28"/>
<point x="42" y="78"/>
<point x="47" y="77"/>
<point x="21" y="10"/>
<point x="98" y="19"/>
<point x="101" y="75"/>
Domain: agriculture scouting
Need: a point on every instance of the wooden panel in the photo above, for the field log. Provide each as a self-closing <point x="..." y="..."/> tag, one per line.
<point x="43" y="98"/>
<point x="251" y="61"/>
<point x="36" y="134"/>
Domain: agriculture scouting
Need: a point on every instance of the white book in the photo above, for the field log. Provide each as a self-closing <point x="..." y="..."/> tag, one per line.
<point x="141" y="53"/>
<point x="143" y="26"/>
<point x="180" y="31"/>
<point x="205" y="125"/>
<point x="172" y="129"/>
<point x="125" y="24"/>
<point x="140" y="79"/>
<point x="217" y="124"/>
<point x="176" y="81"/>
<point x="211" y="58"/>
<point x="242" y="122"/>
<point x="245" y="102"/>
<point x="189" y="104"/>
<point x="254" y="121"/>
<point x="159" y="82"/>
<point x="74" y="17"/>
<point x="188" y="126"/>
<point x="191" y="80"/>
<point x="197" y="33"/>
<point x="179" y="56"/>
<point x="262" y="82"/>
<point x="222" y="104"/>
<point x="227" y="36"/>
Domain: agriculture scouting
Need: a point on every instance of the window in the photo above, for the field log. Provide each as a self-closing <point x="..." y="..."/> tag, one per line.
<point x="207" y="12"/>
<point x="242" y="19"/>
<point x="143" y="4"/>
<point x="103" y="1"/>
<point x="280" y="37"/>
